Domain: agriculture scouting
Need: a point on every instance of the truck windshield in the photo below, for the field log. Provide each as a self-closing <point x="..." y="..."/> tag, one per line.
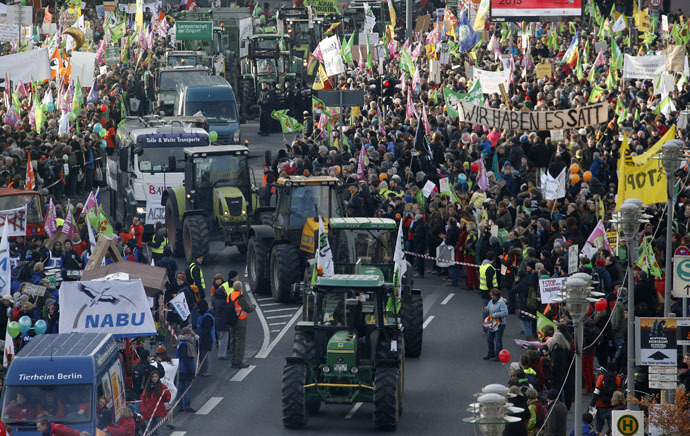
<point x="372" y="247"/>
<point x="221" y="170"/>
<point x="155" y="159"/>
<point x="189" y="61"/>
<point x="312" y="202"/>
<point x="214" y="110"/>
<point x="67" y="404"/>
<point x="34" y="208"/>
<point x="169" y="79"/>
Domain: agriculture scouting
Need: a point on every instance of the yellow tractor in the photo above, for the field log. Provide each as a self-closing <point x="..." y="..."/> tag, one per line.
<point x="277" y="253"/>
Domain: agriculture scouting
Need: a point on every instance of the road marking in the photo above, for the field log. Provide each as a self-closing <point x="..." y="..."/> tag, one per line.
<point x="275" y="331"/>
<point x="178" y="433"/>
<point x="264" y="298"/>
<point x="270" y="304"/>
<point x="277" y="323"/>
<point x="278" y="316"/>
<point x="279" y="310"/>
<point x="354" y="410"/>
<point x="209" y="405"/>
<point x="447" y="299"/>
<point x="262" y="319"/>
<point x="428" y="320"/>
<point x="262" y="354"/>
<point x="242" y="373"/>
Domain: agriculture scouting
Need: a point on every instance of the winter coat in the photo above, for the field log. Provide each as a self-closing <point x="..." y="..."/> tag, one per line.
<point x="220" y="304"/>
<point x="125" y="427"/>
<point x="148" y="403"/>
<point x="420" y="231"/>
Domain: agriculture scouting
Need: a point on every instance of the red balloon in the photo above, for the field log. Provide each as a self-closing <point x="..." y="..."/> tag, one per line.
<point x="103" y="121"/>
<point x="475" y="167"/>
<point x="504" y="356"/>
<point x="104" y="108"/>
<point x="600" y="305"/>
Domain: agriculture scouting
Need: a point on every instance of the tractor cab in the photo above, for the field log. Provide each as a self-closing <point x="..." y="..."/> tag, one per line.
<point x="352" y="348"/>
<point x="183" y="58"/>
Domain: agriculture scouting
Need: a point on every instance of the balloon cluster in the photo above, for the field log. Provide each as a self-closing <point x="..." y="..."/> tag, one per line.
<point x="14" y="328"/>
<point x="575" y="174"/>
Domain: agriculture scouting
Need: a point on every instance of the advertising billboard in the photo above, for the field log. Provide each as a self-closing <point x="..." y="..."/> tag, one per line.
<point x="534" y="10"/>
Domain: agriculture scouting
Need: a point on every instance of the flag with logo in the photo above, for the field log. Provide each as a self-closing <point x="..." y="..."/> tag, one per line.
<point x="179" y="304"/>
<point x="399" y="261"/>
<point x="68" y="225"/>
<point x="406" y="62"/>
<point x="51" y="219"/>
<point x="598" y="238"/>
<point x="324" y="256"/>
<point x="362" y="163"/>
<point x="542" y="322"/>
<point x="346" y="49"/>
<point x="9" y="349"/>
<point x="466" y="35"/>
<point x="597" y="91"/>
<point x="287" y="123"/>
<point x="30" y="182"/>
<point x="482" y="177"/>
<point x="616" y="55"/>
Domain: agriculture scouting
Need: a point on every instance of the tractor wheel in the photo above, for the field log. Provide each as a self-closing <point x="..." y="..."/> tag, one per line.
<point x="304" y="347"/>
<point x="293" y="398"/>
<point x="242" y="249"/>
<point x="285" y="270"/>
<point x="386" y="398"/>
<point x="412" y="314"/>
<point x="258" y="251"/>
<point x="247" y="98"/>
<point x="195" y="236"/>
<point x="174" y="234"/>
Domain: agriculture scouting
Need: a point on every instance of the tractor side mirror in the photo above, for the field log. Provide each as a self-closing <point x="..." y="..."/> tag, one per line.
<point x="267" y="158"/>
<point x="138" y="151"/>
<point x="172" y="163"/>
<point x="124" y="160"/>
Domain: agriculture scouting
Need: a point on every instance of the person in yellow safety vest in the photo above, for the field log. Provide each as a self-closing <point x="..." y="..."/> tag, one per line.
<point x="158" y="243"/>
<point x="488" y="278"/>
<point x="238" y="332"/>
<point x="195" y="276"/>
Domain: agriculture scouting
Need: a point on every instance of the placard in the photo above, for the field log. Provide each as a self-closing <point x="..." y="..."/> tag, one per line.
<point x="429" y="187"/>
<point x="155" y="212"/>
<point x="551" y="288"/>
<point x="34" y="290"/>
<point x="573" y="257"/>
<point x="491" y="79"/>
<point x="444" y="186"/>
<point x="27" y="66"/>
<point x="643" y="67"/>
<point x="9" y="32"/>
<point x="332" y="61"/>
<point x="16" y="219"/>
<point x="422" y="24"/>
<point x="112" y="55"/>
<point x="544" y="70"/>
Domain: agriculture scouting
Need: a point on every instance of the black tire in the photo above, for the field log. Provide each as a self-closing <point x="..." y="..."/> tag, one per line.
<point x="305" y="348"/>
<point x="285" y="270"/>
<point x="195" y="236"/>
<point x="242" y="249"/>
<point x="313" y="406"/>
<point x="293" y="398"/>
<point x="174" y="231"/>
<point x="247" y="98"/>
<point x="258" y="252"/>
<point x="386" y="398"/>
<point x="412" y="315"/>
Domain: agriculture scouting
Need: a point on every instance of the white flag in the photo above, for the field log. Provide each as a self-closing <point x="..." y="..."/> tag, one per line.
<point x="619" y="25"/>
<point x="92" y="238"/>
<point x="9" y="349"/>
<point x="179" y="303"/>
<point x="5" y="272"/>
<point x="399" y="261"/>
<point x="553" y="188"/>
<point x="324" y="257"/>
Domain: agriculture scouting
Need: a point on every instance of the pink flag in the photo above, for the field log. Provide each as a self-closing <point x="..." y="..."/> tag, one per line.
<point x="599" y="60"/>
<point x="11" y="118"/>
<point x="482" y="177"/>
<point x="598" y="238"/>
<point x="403" y="84"/>
<point x="51" y="220"/>
<point x="7" y="95"/>
<point x="91" y="203"/>
<point x="416" y="81"/>
<point x="68" y="226"/>
<point x="425" y="120"/>
<point x="360" y="164"/>
<point x="22" y="89"/>
<point x="409" y="110"/>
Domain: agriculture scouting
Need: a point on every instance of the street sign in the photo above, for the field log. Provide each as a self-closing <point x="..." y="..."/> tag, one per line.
<point x="682" y="251"/>
<point x="656" y="341"/>
<point x="194" y="30"/>
<point x="663" y="377"/>
<point x="683" y="325"/>
<point x="663" y="385"/>
<point x="681" y="276"/>
<point x="628" y="422"/>
<point x="662" y="370"/>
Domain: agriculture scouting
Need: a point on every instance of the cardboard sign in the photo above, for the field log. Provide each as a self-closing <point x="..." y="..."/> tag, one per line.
<point x="544" y="70"/>
<point x="332" y="61"/>
<point x="643" y="67"/>
<point x="9" y="32"/>
<point x="422" y="24"/>
<point x="34" y="290"/>
<point x="572" y="259"/>
<point x="551" y="288"/>
<point x="428" y="188"/>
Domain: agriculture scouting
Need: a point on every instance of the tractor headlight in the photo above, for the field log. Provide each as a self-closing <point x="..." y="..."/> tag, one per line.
<point x="326" y="369"/>
<point x="354" y="370"/>
<point x="141" y="210"/>
<point x="288" y="183"/>
<point x="226" y="213"/>
<point x="188" y="196"/>
<point x="244" y="212"/>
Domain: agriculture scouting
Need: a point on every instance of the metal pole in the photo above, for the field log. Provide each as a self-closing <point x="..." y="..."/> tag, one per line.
<point x="685" y="315"/>
<point x="668" y="271"/>
<point x="630" y="239"/>
<point x="579" y="337"/>
<point x="408" y="20"/>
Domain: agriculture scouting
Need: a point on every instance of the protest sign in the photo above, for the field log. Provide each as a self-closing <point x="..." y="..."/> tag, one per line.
<point x="675" y="57"/>
<point x="155" y="212"/>
<point x="27" y="66"/>
<point x="643" y="67"/>
<point x="119" y="307"/>
<point x="9" y="32"/>
<point x="491" y="79"/>
<point x="323" y="6"/>
<point x="428" y="188"/>
<point x="529" y="121"/>
<point x="34" y="290"/>
<point x="83" y="66"/>
<point x="332" y="61"/>
<point x="544" y="70"/>
<point x="551" y="288"/>
<point x="16" y="219"/>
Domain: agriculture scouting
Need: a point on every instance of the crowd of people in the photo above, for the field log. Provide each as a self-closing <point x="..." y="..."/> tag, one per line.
<point x="492" y="216"/>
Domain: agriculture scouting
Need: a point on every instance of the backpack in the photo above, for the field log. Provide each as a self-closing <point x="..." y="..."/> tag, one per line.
<point x="608" y="386"/>
<point x="531" y="302"/>
<point x="540" y="411"/>
<point x="547" y="370"/>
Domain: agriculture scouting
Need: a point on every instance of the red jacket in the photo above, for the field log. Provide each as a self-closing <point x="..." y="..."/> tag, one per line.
<point x="148" y="404"/>
<point x="62" y="430"/>
<point x="125" y="427"/>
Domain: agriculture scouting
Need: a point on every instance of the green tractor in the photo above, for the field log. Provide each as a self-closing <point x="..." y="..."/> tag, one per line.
<point x="268" y="60"/>
<point x="352" y="351"/>
<point x="279" y="248"/>
<point x="216" y="202"/>
<point x="367" y="246"/>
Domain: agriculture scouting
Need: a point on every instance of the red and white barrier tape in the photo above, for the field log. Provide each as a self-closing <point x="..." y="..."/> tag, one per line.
<point x="438" y="259"/>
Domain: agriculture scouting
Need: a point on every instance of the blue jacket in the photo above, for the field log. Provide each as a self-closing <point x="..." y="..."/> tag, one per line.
<point x="187" y="365"/>
<point x="587" y="430"/>
<point x="498" y="310"/>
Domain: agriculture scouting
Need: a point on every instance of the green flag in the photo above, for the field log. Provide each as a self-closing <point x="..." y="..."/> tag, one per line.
<point x="346" y="49"/>
<point x="40" y="116"/>
<point x="585" y="55"/>
<point x="578" y="69"/>
<point x="610" y="82"/>
<point x="616" y="55"/>
<point x="406" y="62"/>
<point x="621" y="111"/>
<point x="452" y="98"/>
<point x="370" y="63"/>
<point x="590" y="76"/>
<point x="78" y="98"/>
<point x="434" y="96"/>
<point x="287" y="123"/>
<point x="597" y="91"/>
<point x="542" y="322"/>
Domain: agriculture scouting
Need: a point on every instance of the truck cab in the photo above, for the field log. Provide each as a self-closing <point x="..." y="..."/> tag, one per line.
<point x="213" y="98"/>
<point x="140" y="169"/>
<point x="16" y="198"/>
<point x="67" y="373"/>
<point x="166" y="83"/>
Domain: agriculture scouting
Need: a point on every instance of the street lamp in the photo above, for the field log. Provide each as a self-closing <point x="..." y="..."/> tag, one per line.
<point x="629" y="218"/>
<point x="671" y="156"/>
<point x="490" y="410"/>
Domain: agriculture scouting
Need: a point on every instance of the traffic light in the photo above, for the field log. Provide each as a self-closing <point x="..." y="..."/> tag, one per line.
<point x="389" y="86"/>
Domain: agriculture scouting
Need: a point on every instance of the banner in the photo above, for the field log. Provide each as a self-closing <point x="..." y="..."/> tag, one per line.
<point x="28" y="66"/>
<point x="332" y="61"/>
<point x="83" y="67"/>
<point x="643" y="67"/>
<point x="323" y="6"/>
<point x="551" y="288"/>
<point x="119" y="307"/>
<point x="527" y="121"/>
<point x="451" y="97"/>
<point x="645" y="181"/>
<point x="491" y="79"/>
<point x="179" y="303"/>
<point x="531" y="10"/>
<point x="16" y="219"/>
<point x="155" y="212"/>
